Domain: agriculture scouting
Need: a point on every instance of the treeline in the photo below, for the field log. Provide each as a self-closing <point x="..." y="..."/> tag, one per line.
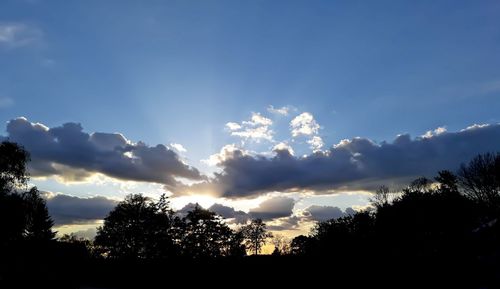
<point x="450" y="222"/>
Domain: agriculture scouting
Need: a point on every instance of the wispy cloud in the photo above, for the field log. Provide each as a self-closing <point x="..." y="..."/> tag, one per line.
<point x="284" y="110"/>
<point x="19" y="34"/>
<point x="178" y="147"/>
<point x="256" y="129"/>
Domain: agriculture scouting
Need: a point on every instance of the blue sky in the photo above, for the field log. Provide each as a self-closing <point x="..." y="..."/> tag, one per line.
<point x="178" y="71"/>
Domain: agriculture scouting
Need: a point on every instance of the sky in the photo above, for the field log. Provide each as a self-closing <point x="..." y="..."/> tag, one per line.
<point x="292" y="111"/>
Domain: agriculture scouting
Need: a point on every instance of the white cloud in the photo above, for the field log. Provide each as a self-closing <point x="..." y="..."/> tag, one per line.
<point x="178" y="147"/>
<point x="257" y="119"/>
<point x="233" y="126"/>
<point x="437" y="131"/>
<point x="257" y="128"/>
<point x="227" y="152"/>
<point x="18" y="34"/>
<point x="279" y="110"/>
<point x="316" y="143"/>
<point x="304" y="124"/>
<point x="257" y="134"/>
<point x="282" y="146"/>
<point x="475" y="126"/>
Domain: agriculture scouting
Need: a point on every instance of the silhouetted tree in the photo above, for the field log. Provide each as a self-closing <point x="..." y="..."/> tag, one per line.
<point x="139" y="228"/>
<point x="12" y="218"/>
<point x="340" y="236"/>
<point x="38" y="221"/>
<point x="448" y="182"/>
<point x="13" y="159"/>
<point x="301" y="245"/>
<point x="381" y="196"/>
<point x="23" y="216"/>
<point x="419" y="185"/>
<point x="255" y="235"/>
<point x="206" y="235"/>
<point x="480" y="178"/>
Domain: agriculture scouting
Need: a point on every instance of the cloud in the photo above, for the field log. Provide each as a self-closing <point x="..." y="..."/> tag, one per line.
<point x="257" y="133"/>
<point x="238" y="217"/>
<point x="233" y="126"/>
<point x="88" y="234"/>
<point x="284" y="110"/>
<point x="304" y="124"/>
<point x="286" y="223"/>
<point x="270" y="209"/>
<point x="68" y="152"/>
<point x="227" y="152"/>
<point x="316" y="143"/>
<point x="283" y="147"/>
<point x="186" y="209"/>
<point x="18" y="34"/>
<point x="178" y="147"/>
<point x="66" y="209"/>
<point x="323" y="213"/>
<point x="276" y="207"/>
<point x="437" y="131"/>
<point x="257" y="120"/>
<point x="256" y="129"/>
<point x="356" y="164"/>
<point x="6" y="102"/>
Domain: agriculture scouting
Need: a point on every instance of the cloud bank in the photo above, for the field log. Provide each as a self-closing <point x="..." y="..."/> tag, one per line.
<point x="356" y="164"/>
<point x="69" y="152"/>
<point x="66" y="209"/>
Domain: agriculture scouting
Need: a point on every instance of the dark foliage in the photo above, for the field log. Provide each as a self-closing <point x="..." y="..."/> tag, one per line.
<point x="23" y="215"/>
<point x="139" y="228"/>
<point x="205" y="235"/>
<point x="255" y="235"/>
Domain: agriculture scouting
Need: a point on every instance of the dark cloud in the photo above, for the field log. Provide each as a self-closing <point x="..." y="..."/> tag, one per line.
<point x="186" y="209"/>
<point x="73" y="154"/>
<point x="66" y="209"/>
<point x="238" y="217"/>
<point x="273" y="208"/>
<point x="286" y="223"/>
<point x="323" y="213"/>
<point x="358" y="163"/>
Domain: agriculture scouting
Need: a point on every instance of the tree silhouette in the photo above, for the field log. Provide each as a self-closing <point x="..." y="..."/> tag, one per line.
<point x="139" y="228"/>
<point x="301" y="245"/>
<point x="38" y="222"/>
<point x="255" y="235"/>
<point x="205" y="235"/>
<point x="23" y="216"/>
<point x="480" y="179"/>
<point x="448" y="182"/>
<point x="381" y="197"/>
<point x="13" y="159"/>
<point x="12" y="218"/>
